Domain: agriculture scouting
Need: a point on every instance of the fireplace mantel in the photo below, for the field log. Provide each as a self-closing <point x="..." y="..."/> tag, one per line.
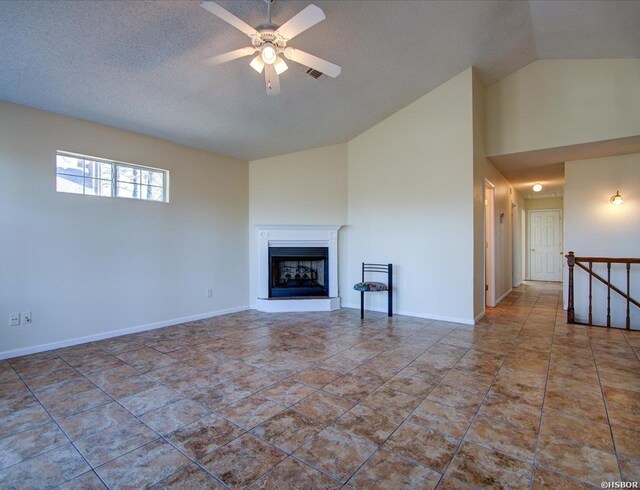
<point x="297" y="236"/>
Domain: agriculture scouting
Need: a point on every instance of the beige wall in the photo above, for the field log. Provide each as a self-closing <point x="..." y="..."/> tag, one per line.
<point x="505" y="195"/>
<point x="553" y="103"/>
<point x="307" y="187"/>
<point x="411" y="203"/>
<point x="595" y="227"/>
<point x="90" y="265"/>
<point x="545" y="203"/>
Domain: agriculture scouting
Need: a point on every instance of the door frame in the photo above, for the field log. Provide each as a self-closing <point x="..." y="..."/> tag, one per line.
<point x="489" y="200"/>
<point x="560" y="235"/>
<point x="524" y="244"/>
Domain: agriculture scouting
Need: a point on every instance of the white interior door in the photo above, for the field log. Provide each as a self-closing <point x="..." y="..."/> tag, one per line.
<point x="545" y="245"/>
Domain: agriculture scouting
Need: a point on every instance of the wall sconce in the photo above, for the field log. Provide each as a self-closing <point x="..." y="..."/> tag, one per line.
<point x="617" y="199"/>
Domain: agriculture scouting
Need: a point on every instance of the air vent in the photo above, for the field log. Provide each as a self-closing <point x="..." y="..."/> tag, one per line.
<point x="314" y="73"/>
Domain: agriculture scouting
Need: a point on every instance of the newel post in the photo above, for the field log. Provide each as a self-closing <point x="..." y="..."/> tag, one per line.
<point x="571" y="261"/>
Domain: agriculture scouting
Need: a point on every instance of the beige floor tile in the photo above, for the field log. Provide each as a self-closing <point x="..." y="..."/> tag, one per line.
<point x="292" y="473"/>
<point x="287" y="392"/>
<point x="426" y="446"/>
<point x="251" y="411"/>
<point x="502" y="437"/>
<point x="202" y="437"/>
<point x="191" y="477"/>
<point x="385" y="470"/>
<point x="456" y="397"/>
<point x="143" y="467"/>
<point x="171" y="417"/>
<point x="86" y="481"/>
<point x="336" y="453"/>
<point x="484" y="468"/>
<point x="580" y="462"/>
<point x="394" y="403"/>
<point x="575" y="430"/>
<point x="44" y="471"/>
<point x="242" y="461"/>
<point x="96" y="419"/>
<point x="323" y="407"/>
<point x="288" y="430"/>
<point x="29" y="443"/>
<point x="367" y="423"/>
<point x="546" y="479"/>
<point x="108" y="444"/>
<point x="442" y="418"/>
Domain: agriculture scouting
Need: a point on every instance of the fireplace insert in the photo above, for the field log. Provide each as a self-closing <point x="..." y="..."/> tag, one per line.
<point x="298" y="272"/>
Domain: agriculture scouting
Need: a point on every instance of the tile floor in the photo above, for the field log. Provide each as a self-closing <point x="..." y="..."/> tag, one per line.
<point x="321" y="400"/>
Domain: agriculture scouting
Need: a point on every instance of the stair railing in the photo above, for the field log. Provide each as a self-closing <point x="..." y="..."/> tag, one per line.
<point x="582" y="262"/>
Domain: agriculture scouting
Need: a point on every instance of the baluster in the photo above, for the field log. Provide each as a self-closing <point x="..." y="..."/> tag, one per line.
<point x="590" y="290"/>
<point x="571" y="261"/>
<point x="608" y="294"/>
<point x="628" y="296"/>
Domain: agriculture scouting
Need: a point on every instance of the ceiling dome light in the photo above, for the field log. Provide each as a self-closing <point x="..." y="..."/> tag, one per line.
<point x="269" y="53"/>
<point x="537" y="187"/>
<point x="617" y="199"/>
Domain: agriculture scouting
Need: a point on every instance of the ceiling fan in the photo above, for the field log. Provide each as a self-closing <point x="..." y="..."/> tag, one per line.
<point x="270" y="42"/>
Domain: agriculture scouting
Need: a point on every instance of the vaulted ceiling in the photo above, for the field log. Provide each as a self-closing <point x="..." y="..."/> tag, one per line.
<point x="137" y="65"/>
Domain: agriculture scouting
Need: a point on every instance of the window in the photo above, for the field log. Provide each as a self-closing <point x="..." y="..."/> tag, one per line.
<point x="79" y="174"/>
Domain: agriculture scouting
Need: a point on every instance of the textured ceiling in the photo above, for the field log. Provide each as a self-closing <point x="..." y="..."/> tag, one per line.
<point x="137" y="65"/>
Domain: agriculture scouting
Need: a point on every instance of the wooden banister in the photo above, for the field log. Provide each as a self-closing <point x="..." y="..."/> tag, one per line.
<point x="573" y="261"/>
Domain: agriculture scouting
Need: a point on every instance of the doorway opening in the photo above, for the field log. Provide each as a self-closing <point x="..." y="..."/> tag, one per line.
<point x="545" y="245"/>
<point x="489" y="244"/>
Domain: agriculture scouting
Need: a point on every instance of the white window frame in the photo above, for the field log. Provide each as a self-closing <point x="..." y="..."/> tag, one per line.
<point x="115" y="164"/>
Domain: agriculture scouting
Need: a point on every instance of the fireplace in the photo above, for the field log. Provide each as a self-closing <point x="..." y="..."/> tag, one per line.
<point x="298" y="272"/>
<point x="297" y="268"/>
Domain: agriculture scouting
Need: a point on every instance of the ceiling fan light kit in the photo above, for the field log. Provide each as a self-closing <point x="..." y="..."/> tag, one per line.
<point x="270" y="42"/>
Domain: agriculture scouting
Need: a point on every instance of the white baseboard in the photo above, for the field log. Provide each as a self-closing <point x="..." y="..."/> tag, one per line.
<point x="429" y="316"/>
<point x="518" y="284"/>
<point x="24" y="351"/>
<point x="479" y="317"/>
<point x="504" y="296"/>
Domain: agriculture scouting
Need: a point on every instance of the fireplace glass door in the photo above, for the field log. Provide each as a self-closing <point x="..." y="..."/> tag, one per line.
<point x="298" y="272"/>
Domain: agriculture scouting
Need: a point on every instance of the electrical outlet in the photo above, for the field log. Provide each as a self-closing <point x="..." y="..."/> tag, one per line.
<point x="209" y="293"/>
<point x="26" y="317"/>
<point x="14" y="319"/>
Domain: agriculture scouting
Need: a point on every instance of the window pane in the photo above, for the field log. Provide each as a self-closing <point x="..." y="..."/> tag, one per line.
<point x="67" y="183"/>
<point x="97" y="187"/>
<point x="128" y="174"/>
<point x="124" y="189"/>
<point x="69" y="165"/>
<point x="151" y="193"/>
<point x="98" y="170"/>
<point x="151" y="177"/>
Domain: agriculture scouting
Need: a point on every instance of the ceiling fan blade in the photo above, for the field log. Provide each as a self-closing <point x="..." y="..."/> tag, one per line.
<point x="300" y="22"/>
<point x="313" y="62"/>
<point x="271" y="80"/>
<point x="230" y="56"/>
<point x="228" y="17"/>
